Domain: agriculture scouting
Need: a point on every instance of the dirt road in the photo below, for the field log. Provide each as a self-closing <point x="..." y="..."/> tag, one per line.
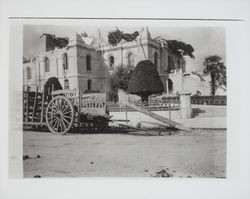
<point x="201" y="153"/>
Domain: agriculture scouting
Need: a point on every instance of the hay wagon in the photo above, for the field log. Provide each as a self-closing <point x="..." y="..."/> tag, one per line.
<point x="62" y="111"/>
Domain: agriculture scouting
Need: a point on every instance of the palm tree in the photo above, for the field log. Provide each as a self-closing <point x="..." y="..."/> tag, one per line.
<point x="214" y="66"/>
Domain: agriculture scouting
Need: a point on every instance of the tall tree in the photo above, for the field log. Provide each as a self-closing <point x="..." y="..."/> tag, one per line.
<point x="214" y="66"/>
<point x="145" y="80"/>
<point x="180" y="48"/>
<point x="119" y="79"/>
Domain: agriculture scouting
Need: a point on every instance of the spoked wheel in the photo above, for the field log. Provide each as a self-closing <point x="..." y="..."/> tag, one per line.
<point x="60" y="115"/>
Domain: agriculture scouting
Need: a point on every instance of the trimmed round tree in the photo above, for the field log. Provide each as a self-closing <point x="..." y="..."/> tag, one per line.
<point x="145" y="80"/>
<point x="52" y="84"/>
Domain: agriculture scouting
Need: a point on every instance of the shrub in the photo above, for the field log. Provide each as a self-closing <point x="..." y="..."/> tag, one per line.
<point x="145" y="80"/>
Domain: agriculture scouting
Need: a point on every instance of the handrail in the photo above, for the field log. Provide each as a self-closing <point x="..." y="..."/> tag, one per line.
<point x="64" y="91"/>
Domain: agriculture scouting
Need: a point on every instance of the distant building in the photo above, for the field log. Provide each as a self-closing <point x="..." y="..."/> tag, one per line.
<point x="86" y="62"/>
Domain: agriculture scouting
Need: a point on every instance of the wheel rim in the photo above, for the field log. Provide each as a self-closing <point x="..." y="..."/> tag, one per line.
<point x="60" y="115"/>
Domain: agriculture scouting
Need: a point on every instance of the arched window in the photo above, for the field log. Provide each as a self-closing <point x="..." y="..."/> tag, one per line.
<point x="28" y="73"/>
<point x="46" y="64"/>
<point x="66" y="84"/>
<point x="156" y="59"/>
<point x="130" y="59"/>
<point x="88" y="63"/>
<point x="111" y="62"/>
<point x="170" y="85"/>
<point x="89" y="84"/>
<point x="65" y="61"/>
<point x="170" y="63"/>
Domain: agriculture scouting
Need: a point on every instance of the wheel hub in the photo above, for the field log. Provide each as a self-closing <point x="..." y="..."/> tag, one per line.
<point x="59" y="114"/>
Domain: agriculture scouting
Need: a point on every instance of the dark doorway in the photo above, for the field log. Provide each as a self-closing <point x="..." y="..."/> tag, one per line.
<point x="89" y="84"/>
<point x="170" y="85"/>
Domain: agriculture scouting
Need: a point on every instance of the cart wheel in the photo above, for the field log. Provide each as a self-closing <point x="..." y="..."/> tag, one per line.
<point x="60" y="115"/>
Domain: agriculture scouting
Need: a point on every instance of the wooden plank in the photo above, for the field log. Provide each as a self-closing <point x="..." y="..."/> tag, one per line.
<point x="124" y="99"/>
<point x="119" y="120"/>
<point x="34" y="105"/>
<point x="27" y="104"/>
<point x="34" y="123"/>
<point x="24" y="103"/>
<point x="79" y="107"/>
<point x="132" y="127"/>
<point x="158" y="117"/>
<point x="153" y="123"/>
<point x="43" y="95"/>
<point x="65" y="91"/>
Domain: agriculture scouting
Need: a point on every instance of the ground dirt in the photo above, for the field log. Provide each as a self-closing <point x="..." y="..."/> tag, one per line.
<point x="199" y="153"/>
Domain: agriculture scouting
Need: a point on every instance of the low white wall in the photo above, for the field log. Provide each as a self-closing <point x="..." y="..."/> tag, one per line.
<point x="136" y="117"/>
<point x="209" y="110"/>
<point x="205" y="111"/>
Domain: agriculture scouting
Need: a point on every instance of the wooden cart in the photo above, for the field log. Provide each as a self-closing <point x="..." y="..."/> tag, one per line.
<point x="65" y="110"/>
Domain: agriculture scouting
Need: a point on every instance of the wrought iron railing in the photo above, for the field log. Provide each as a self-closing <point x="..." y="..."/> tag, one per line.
<point x="169" y="103"/>
<point x="209" y="100"/>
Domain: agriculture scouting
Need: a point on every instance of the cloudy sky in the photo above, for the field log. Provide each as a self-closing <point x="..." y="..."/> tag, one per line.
<point x="205" y="40"/>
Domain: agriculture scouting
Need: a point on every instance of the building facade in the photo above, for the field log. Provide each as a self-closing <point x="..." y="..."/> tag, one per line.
<point x="86" y="62"/>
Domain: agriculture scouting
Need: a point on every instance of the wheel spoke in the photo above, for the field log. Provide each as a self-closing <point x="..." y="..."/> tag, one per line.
<point x="60" y="103"/>
<point x="65" y="116"/>
<point x="55" y="123"/>
<point x="66" y="121"/>
<point x="68" y="107"/>
<point x="67" y="112"/>
<point x="60" y="122"/>
<point x="53" y="120"/>
<point x="51" y="115"/>
<point x="55" y="126"/>
<point x="52" y="108"/>
<point x="52" y="112"/>
<point x="56" y="105"/>
<point x="63" y="105"/>
<point x="59" y="126"/>
<point x="64" y="126"/>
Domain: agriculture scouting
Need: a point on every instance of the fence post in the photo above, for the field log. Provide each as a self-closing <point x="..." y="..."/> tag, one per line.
<point x="126" y="114"/>
<point x="42" y="111"/>
<point x="27" y="104"/>
<point x="169" y="108"/>
<point x="185" y="105"/>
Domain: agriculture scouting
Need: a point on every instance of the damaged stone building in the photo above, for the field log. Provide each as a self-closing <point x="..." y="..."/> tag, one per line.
<point x="86" y="62"/>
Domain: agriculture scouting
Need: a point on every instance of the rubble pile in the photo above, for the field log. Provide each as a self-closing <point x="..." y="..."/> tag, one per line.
<point x="163" y="174"/>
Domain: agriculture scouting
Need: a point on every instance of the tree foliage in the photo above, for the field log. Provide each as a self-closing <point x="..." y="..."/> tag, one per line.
<point x="52" y="84"/>
<point x="116" y="36"/>
<point x="59" y="42"/>
<point x="119" y="79"/>
<point x="214" y="66"/>
<point x="145" y="80"/>
<point x="181" y="49"/>
<point x="25" y="60"/>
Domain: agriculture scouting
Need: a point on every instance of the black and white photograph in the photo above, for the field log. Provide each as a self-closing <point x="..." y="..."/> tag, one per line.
<point x="125" y="101"/>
